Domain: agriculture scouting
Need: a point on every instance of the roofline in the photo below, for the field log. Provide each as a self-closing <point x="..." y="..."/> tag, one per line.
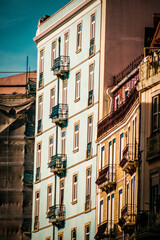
<point x="62" y="20"/>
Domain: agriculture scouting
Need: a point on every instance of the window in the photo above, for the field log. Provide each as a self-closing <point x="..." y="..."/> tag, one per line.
<point x="61" y="196"/>
<point x="133" y="195"/>
<point x="111" y="160"/>
<point x="93" y="26"/>
<point x="63" y="141"/>
<point x="120" y="203"/>
<point x="154" y="196"/>
<point x="126" y="93"/>
<point x="53" y="52"/>
<point x="87" y="231"/>
<point x="121" y="145"/>
<point x="60" y="236"/>
<point x="49" y="196"/>
<point x="129" y="131"/>
<point x="127" y="194"/>
<point x="76" y="136"/>
<point x="134" y="130"/>
<point x="40" y="106"/>
<point x="52" y="99"/>
<point x="101" y="212"/>
<point x="91" y="83"/>
<point x="89" y="136"/>
<point x="41" y="68"/>
<point x="50" y="148"/>
<point x="156" y="113"/>
<point x="36" y="213"/>
<point x="38" y="161"/>
<point x="88" y="188"/>
<point x="110" y="211"/>
<point x="73" y="234"/>
<point x="74" y="189"/>
<point x="66" y="44"/>
<point x="102" y="157"/>
<point x="77" y="86"/>
<point x="116" y="102"/>
<point x="64" y="92"/>
<point x="79" y="37"/>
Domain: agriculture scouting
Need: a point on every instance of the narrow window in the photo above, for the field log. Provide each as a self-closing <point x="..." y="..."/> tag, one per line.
<point x="76" y="136"/>
<point x="60" y="236"/>
<point x="40" y="106"/>
<point x="112" y="210"/>
<point x="66" y="44"/>
<point x="38" y="162"/>
<point x="63" y="141"/>
<point x="120" y="203"/>
<point x="102" y="157"/>
<point x="127" y="195"/>
<point x="121" y="145"/>
<point x="41" y="68"/>
<point x="154" y="195"/>
<point x="79" y="36"/>
<point x="132" y="196"/>
<point x="93" y="26"/>
<point x="53" y="52"/>
<point x="77" y="86"/>
<point x="61" y="197"/>
<point x="50" y="148"/>
<point x="87" y="232"/>
<point x="89" y="137"/>
<point x="129" y="131"/>
<point x="126" y="94"/>
<point x="64" y="92"/>
<point x="88" y="188"/>
<point x="114" y="160"/>
<point x="74" y="188"/>
<point x="110" y="162"/>
<point x="49" y="197"/>
<point x="91" y="83"/>
<point x="36" y="213"/>
<point x="116" y="103"/>
<point x="52" y="99"/>
<point x="101" y="212"/>
<point x="73" y="234"/>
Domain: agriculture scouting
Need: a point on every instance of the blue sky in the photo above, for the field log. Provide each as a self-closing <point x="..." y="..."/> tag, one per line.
<point x="18" y="25"/>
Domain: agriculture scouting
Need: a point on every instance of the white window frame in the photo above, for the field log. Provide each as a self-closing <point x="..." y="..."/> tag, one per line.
<point x="50" y="147"/>
<point x="49" y="196"/>
<point x="77" y="85"/>
<point x="79" y="36"/>
<point x="76" y="136"/>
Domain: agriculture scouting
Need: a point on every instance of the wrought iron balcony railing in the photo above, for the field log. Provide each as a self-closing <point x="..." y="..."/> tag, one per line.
<point x="116" y="116"/>
<point x="56" y="214"/>
<point x="28" y="177"/>
<point x="92" y="47"/>
<point x="107" y="178"/>
<point x="61" y="65"/>
<point x="29" y="130"/>
<point x="41" y="79"/>
<point x="88" y="203"/>
<point x="129" y="158"/>
<point x="36" y="222"/>
<point x="58" y="163"/>
<point x="89" y="149"/>
<point x="26" y="227"/>
<point x="59" y="113"/>
<point x="153" y="147"/>
<point x="39" y="128"/>
<point x="90" y="97"/>
<point x="105" y="230"/>
<point x="38" y="174"/>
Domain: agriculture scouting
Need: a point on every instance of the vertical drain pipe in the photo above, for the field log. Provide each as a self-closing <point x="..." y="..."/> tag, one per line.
<point x="55" y="182"/>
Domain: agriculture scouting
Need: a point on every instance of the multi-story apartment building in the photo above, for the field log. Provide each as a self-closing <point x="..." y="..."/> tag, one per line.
<point x="117" y="176"/>
<point x="17" y="111"/>
<point x="148" y="219"/>
<point x="76" y="61"/>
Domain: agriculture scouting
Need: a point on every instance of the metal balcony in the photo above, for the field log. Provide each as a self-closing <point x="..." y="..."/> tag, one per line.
<point x="92" y="47"/>
<point x="28" y="178"/>
<point x="40" y="79"/>
<point x="90" y="97"/>
<point x="27" y="225"/>
<point x="129" y="160"/>
<point x="88" y="203"/>
<point x="59" y="114"/>
<point x="61" y="66"/>
<point x="128" y="218"/>
<point x="148" y="225"/>
<point x="56" y="215"/>
<point x="105" y="230"/>
<point x="58" y="163"/>
<point x="106" y="180"/>
<point x="153" y="147"/>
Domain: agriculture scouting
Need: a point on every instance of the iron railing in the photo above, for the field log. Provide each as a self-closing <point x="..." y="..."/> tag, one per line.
<point x="41" y="79"/>
<point x="130" y="154"/>
<point x="61" y="64"/>
<point x="29" y="130"/>
<point x="90" y="97"/>
<point x="31" y="85"/>
<point x="147" y="221"/>
<point x="105" y="230"/>
<point x="129" y="212"/>
<point x="56" y="212"/>
<point x="59" y="111"/>
<point x="27" y="224"/>
<point x="116" y="116"/>
<point x="36" y="221"/>
<point x="58" y="161"/>
<point x="153" y="146"/>
<point x="107" y="174"/>
<point x="28" y="177"/>
<point x="91" y="48"/>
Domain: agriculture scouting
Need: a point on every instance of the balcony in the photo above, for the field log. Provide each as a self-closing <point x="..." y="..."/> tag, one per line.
<point x="153" y="147"/>
<point x="36" y="222"/>
<point x="147" y="225"/>
<point x="58" y="163"/>
<point x="105" y="230"/>
<point x="61" y="66"/>
<point x="39" y="128"/>
<point x="89" y="149"/>
<point x="129" y="158"/>
<point x="26" y="227"/>
<point x="128" y="218"/>
<point x="40" y="80"/>
<point x="28" y="178"/>
<point x="118" y="115"/>
<point x="90" y="98"/>
<point x="106" y="180"/>
<point x="38" y="174"/>
<point x="56" y="215"/>
<point x="88" y="203"/>
<point x="59" y="114"/>
<point x="92" y="47"/>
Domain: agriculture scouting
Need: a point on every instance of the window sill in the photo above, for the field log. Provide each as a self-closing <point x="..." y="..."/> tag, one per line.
<point x="78" y="50"/>
<point x="40" y="88"/>
<point x="74" y="202"/>
<point x="76" y="100"/>
<point x="75" y="150"/>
